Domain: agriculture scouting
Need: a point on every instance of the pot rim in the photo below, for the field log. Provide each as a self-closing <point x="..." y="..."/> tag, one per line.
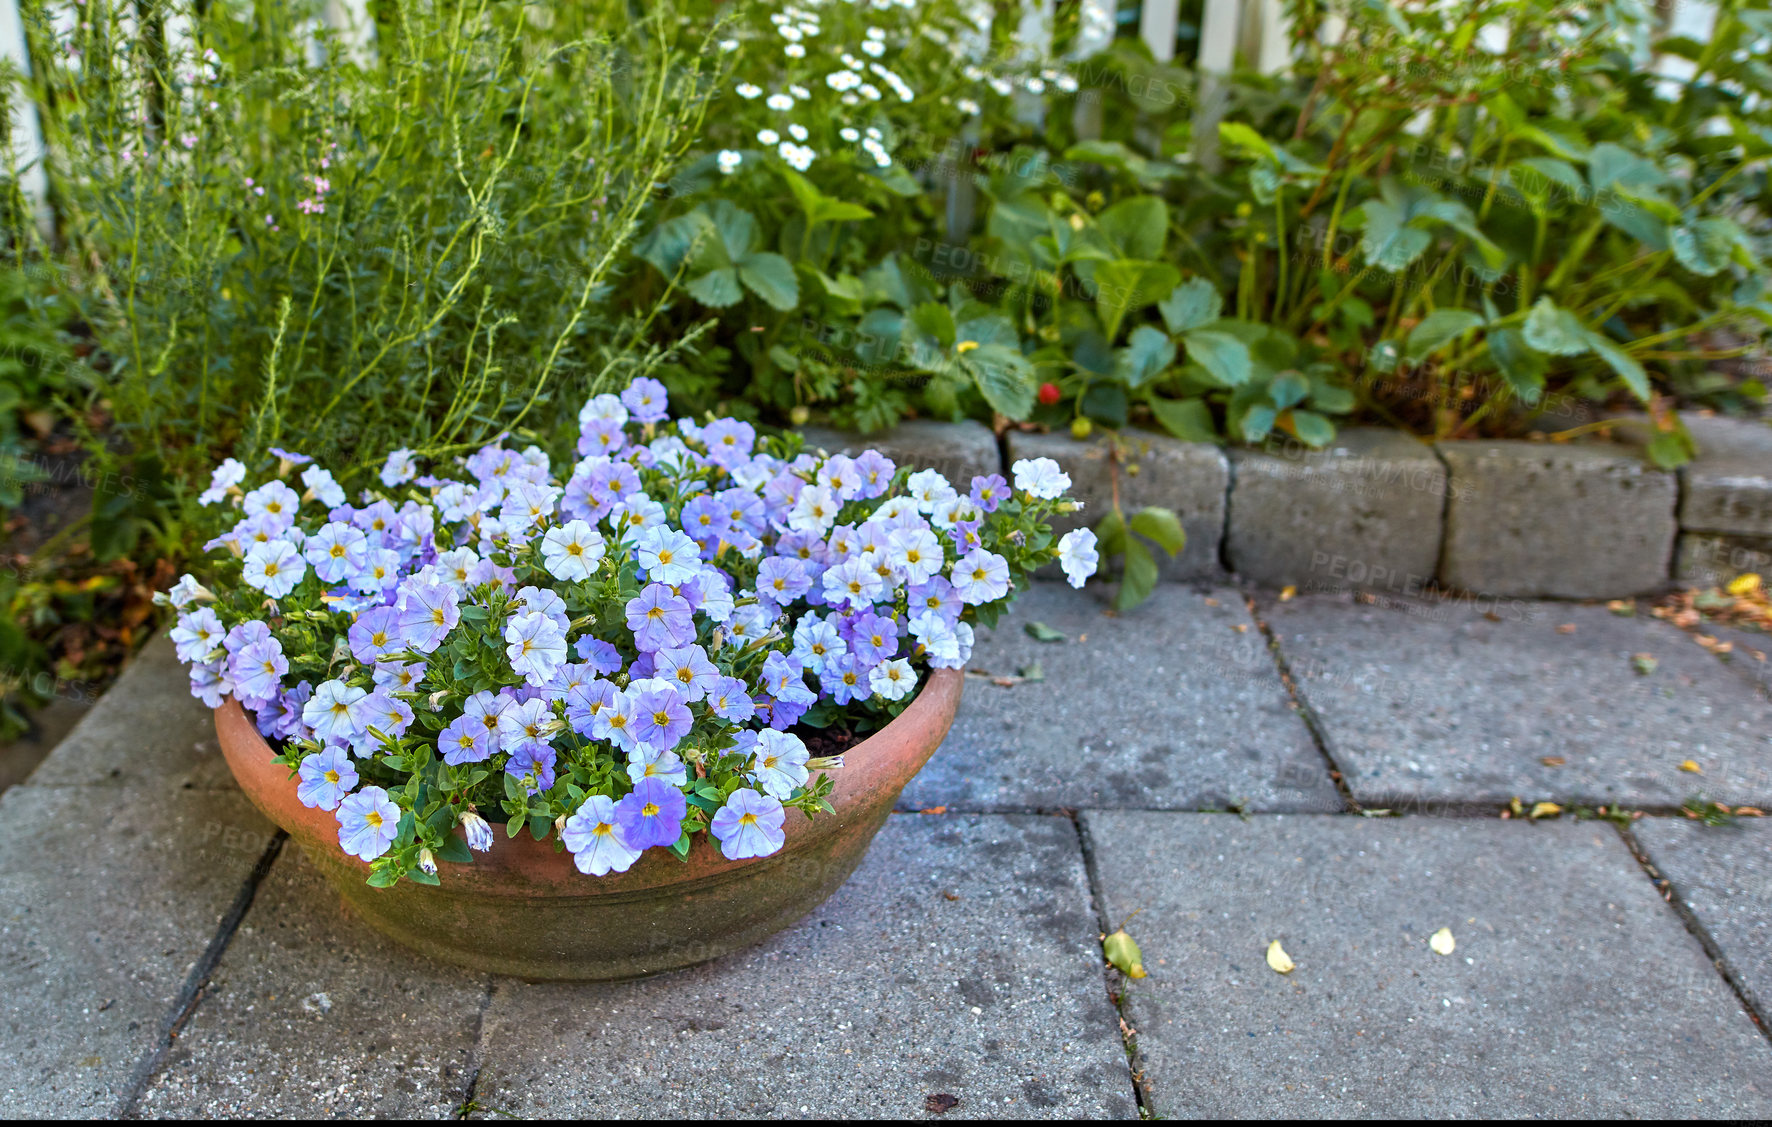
<point x="522" y="867"/>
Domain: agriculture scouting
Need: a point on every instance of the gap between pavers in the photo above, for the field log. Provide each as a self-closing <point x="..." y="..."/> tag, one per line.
<point x="109" y="896"/>
<point x="1175" y="704"/>
<point x="1428" y="705"/>
<point x="1723" y="876"/>
<point x="312" y="1014"/>
<point x="961" y="959"/>
<point x="1572" y="991"/>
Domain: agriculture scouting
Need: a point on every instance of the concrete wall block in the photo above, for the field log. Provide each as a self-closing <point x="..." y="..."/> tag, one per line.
<point x="1531" y="519"/>
<point x="1364" y="513"/>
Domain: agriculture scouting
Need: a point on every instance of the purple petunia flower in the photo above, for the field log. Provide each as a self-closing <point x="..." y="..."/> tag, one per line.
<point x="368" y="822"/>
<point x="595" y="839"/>
<point x="661" y="719"/>
<point x="730" y="700"/>
<point x="646" y="400"/>
<point x="873" y="637"/>
<point x="601" y="656"/>
<point x="428" y="612"/>
<point x="338" y="551"/>
<point x="660" y="618"/>
<point x="779" y="764"/>
<point x="532" y="765"/>
<point x="376" y="632"/>
<point x="257" y="671"/>
<point x="749" y="825"/>
<point x="652" y="814"/>
<point x="464" y="741"/>
<point x="536" y="647"/>
<point x="688" y="669"/>
<point x="326" y="777"/>
<point x="989" y="491"/>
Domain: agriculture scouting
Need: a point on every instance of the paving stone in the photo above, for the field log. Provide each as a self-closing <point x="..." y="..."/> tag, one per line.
<point x="1724" y="875"/>
<point x="1364" y="512"/>
<point x="1188" y="477"/>
<point x="1433" y="703"/>
<point x="961" y="451"/>
<point x="311" y="1014"/>
<point x="147" y="730"/>
<point x="1728" y="485"/>
<point x="1529" y="519"/>
<point x="1173" y="705"/>
<point x="108" y="897"/>
<point x="1572" y="991"/>
<point x="1712" y="559"/>
<point x="961" y="959"/>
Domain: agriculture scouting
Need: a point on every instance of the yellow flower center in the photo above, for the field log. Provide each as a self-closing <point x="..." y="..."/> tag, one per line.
<point x="649" y="810"/>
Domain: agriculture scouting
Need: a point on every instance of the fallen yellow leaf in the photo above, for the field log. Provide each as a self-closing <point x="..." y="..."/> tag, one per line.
<point x="1692" y="766"/>
<point x="1287" y="592"/>
<point x="1442" y="942"/>
<point x="1278" y="959"/>
<point x="1122" y="951"/>
<point x="1745" y="584"/>
<point x="1544" y="810"/>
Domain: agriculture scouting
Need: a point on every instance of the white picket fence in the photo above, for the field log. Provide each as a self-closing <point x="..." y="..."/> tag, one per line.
<point x="1255" y="29"/>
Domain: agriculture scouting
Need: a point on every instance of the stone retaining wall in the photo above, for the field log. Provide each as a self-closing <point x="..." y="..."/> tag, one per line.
<point x="1381" y="511"/>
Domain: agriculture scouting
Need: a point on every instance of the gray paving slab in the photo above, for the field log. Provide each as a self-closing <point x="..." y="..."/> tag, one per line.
<point x="108" y="897"/>
<point x="147" y="730"/>
<point x="311" y="1014"/>
<point x="1426" y="703"/>
<point x="961" y="959"/>
<point x="1573" y="991"/>
<point x="1174" y="705"/>
<point x="1575" y="521"/>
<point x="1189" y="477"/>
<point x="1724" y="875"/>
<point x="1364" y="512"/>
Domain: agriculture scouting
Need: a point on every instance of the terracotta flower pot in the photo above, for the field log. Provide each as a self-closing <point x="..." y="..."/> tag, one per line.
<point x="524" y="909"/>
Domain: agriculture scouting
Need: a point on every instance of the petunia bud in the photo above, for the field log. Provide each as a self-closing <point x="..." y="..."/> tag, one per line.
<point x="427" y="862"/>
<point x="478" y="830"/>
<point x="825" y="763"/>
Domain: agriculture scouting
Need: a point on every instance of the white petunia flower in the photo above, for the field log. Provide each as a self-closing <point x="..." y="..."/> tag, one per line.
<point x="794" y="51"/>
<point x="848" y="134"/>
<point x="873" y="48"/>
<point x="767" y="136"/>
<point x="747" y="91"/>
<point x="780" y="101"/>
<point x="729" y="160"/>
<point x="797" y="132"/>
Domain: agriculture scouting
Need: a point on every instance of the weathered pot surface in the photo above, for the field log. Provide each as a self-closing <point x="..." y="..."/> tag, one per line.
<point x="524" y="909"/>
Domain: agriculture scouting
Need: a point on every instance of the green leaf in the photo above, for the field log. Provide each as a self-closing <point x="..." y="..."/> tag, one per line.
<point x="1110" y="534"/>
<point x="671" y="241"/>
<point x="1520" y="365"/>
<point x="1004" y="377"/>
<point x="818" y="207"/>
<point x="1147" y="354"/>
<point x="1138" y="227"/>
<point x="454" y="850"/>
<point x="1309" y="427"/>
<point x="1704" y="246"/>
<point x="1138" y="578"/>
<point x="1187" y="419"/>
<point x="736" y="227"/>
<point x="1288" y="388"/>
<point x="1162" y="527"/>
<point x="1438" y="329"/>
<point x="1554" y="330"/>
<point x="1040" y="632"/>
<point x="1332" y="398"/>
<point x="1194" y="303"/>
<point x="1125" y="284"/>
<point x="1221" y="354"/>
<point x="716" y="289"/>
<point x="1239" y="136"/>
<point x="771" y="277"/>
<point x="1258" y="422"/>
<point x="1623" y="363"/>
